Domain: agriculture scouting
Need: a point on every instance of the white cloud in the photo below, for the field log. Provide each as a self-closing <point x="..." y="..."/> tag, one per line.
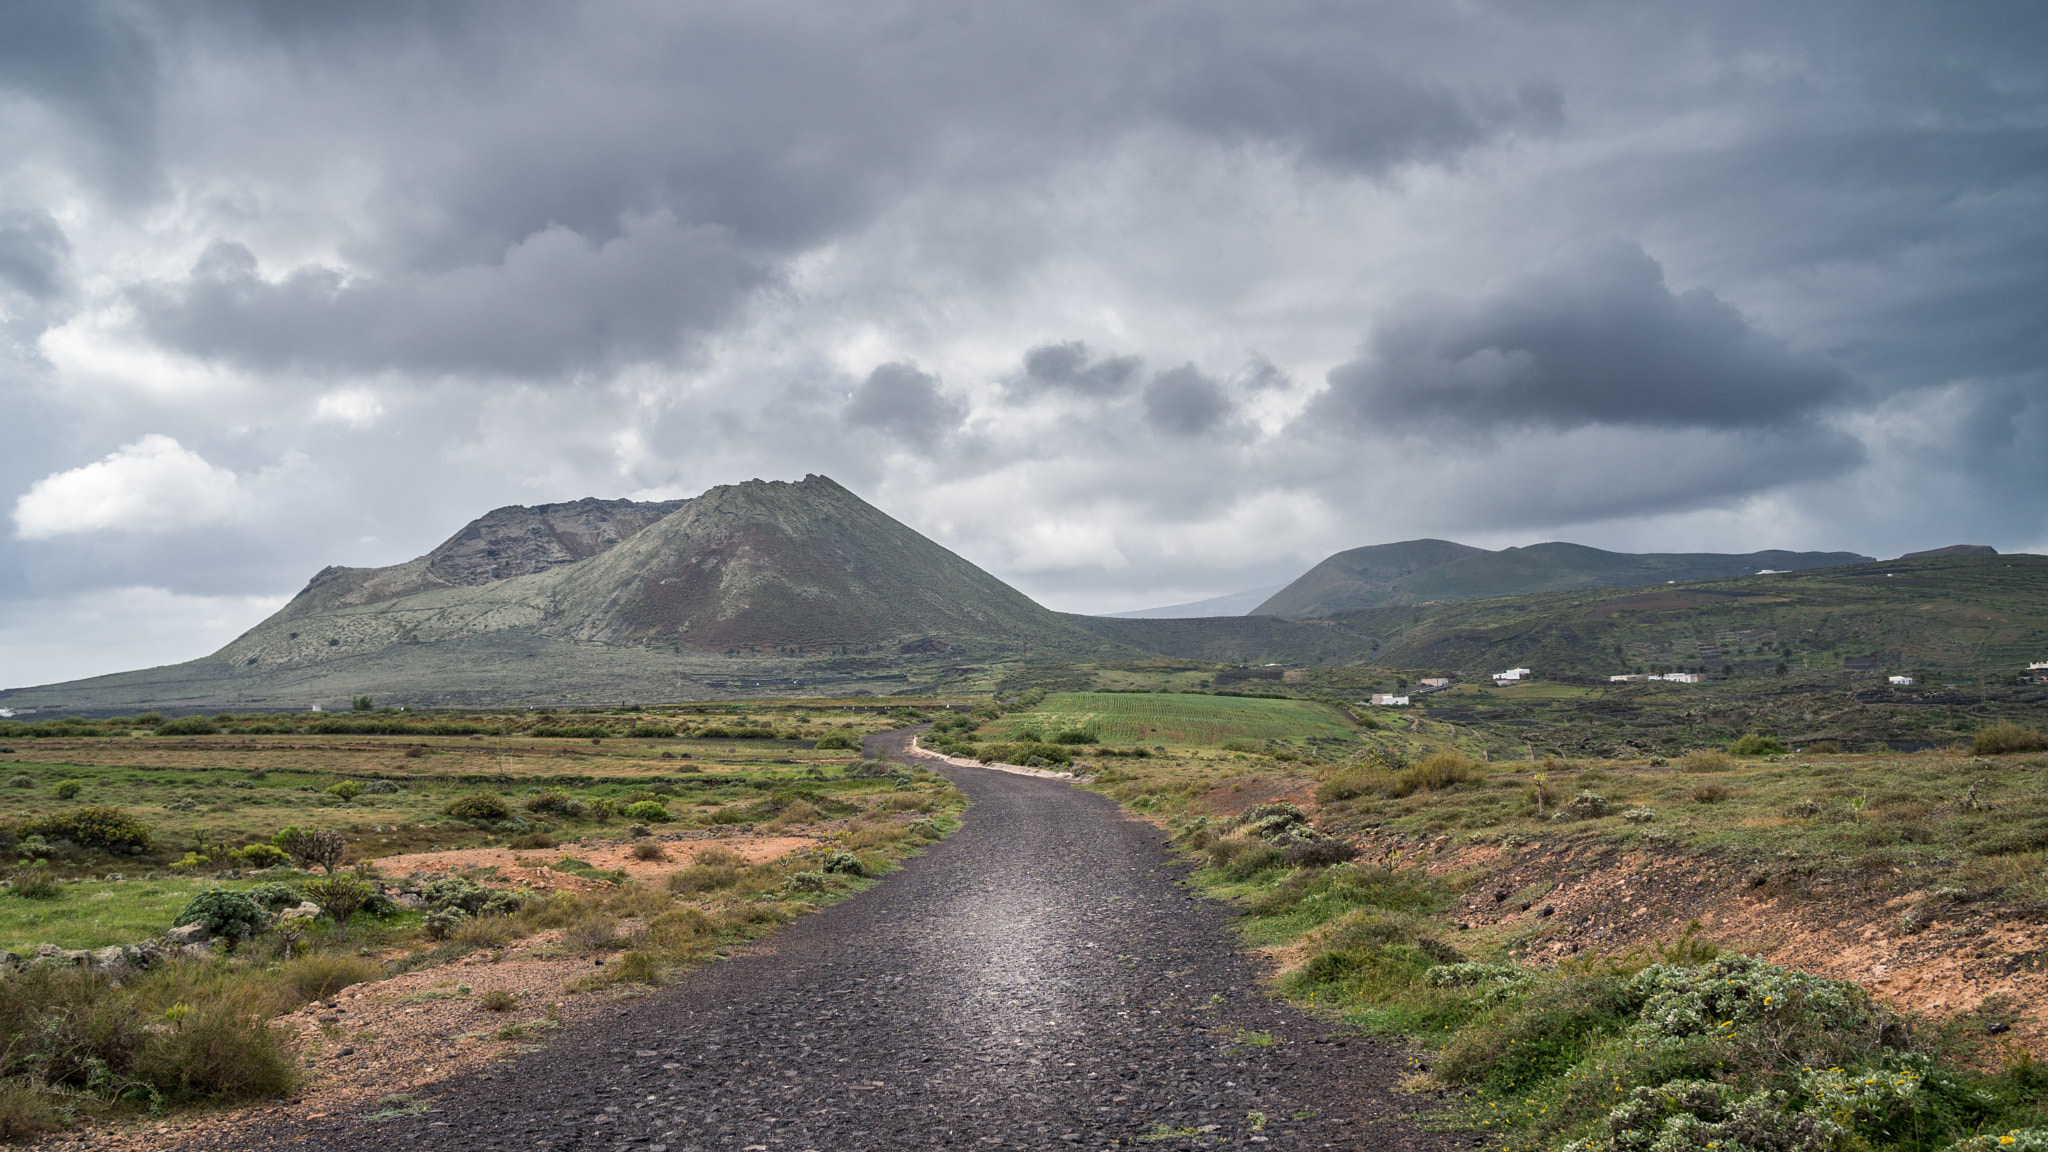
<point x="50" y="640"/>
<point x="151" y="485"/>
<point x="355" y="407"/>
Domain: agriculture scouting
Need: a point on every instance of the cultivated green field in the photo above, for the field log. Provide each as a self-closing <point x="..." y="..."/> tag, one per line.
<point x="1173" y="720"/>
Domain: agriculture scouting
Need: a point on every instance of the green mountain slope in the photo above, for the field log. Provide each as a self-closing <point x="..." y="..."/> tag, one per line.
<point x="1980" y="614"/>
<point x="1421" y="571"/>
<point x="1237" y="639"/>
<point x="793" y="582"/>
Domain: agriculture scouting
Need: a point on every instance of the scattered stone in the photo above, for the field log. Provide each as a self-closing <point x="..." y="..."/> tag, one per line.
<point x="185" y="934"/>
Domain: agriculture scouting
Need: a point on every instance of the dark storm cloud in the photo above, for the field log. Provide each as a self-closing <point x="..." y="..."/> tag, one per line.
<point x="89" y="65"/>
<point x="1598" y="338"/>
<point x="34" y="254"/>
<point x="1184" y="402"/>
<point x="902" y="399"/>
<point x="1072" y="367"/>
<point x="556" y="303"/>
<point x="758" y="131"/>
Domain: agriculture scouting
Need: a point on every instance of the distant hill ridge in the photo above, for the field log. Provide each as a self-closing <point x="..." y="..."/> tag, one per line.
<point x="1422" y="571"/>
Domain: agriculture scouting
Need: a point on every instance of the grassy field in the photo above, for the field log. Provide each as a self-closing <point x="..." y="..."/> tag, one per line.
<point x="1177" y="721"/>
<point x="193" y="814"/>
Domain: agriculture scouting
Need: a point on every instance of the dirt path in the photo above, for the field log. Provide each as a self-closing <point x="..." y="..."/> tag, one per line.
<point x="1037" y="980"/>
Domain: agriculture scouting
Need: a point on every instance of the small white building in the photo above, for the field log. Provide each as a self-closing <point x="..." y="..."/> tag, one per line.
<point x="1510" y="676"/>
<point x="1901" y="681"/>
<point x="1436" y="682"/>
<point x="1631" y="678"/>
<point x="1680" y="677"/>
<point x="1388" y="699"/>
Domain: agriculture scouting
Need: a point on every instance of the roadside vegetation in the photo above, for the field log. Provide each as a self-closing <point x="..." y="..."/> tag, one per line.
<point x="1354" y="863"/>
<point x="272" y="848"/>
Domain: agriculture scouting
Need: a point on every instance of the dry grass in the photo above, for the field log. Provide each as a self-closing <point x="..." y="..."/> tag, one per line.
<point x="649" y="850"/>
<point x="1706" y="760"/>
<point x="318" y="975"/>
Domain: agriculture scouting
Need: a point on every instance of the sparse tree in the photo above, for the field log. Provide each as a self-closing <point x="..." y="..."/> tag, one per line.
<point x="360" y="703"/>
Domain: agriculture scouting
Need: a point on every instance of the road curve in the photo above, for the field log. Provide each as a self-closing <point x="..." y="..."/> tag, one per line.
<point x="1037" y="980"/>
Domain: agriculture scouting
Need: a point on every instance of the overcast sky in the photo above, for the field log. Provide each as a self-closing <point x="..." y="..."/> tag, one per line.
<point x="1128" y="304"/>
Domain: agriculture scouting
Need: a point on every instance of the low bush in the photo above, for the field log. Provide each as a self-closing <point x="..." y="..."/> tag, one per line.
<point x="105" y="828"/>
<point x="1074" y="736"/>
<point x="838" y="740"/>
<point x="492" y="930"/>
<point x="380" y="788"/>
<point x="34" y="883"/>
<point x="21" y="782"/>
<point x="2004" y="739"/>
<point x="652" y="811"/>
<point x="593" y="932"/>
<point x="648" y="851"/>
<point x="262" y="855"/>
<point x="1712" y="792"/>
<point x="498" y="1000"/>
<point x="69" y="790"/>
<point x="223" y="913"/>
<point x="713" y="869"/>
<point x="346" y="790"/>
<point x="1706" y="760"/>
<point x="555" y="802"/>
<point x="187" y="726"/>
<point x="527" y="841"/>
<point x="441" y="923"/>
<point x="275" y="897"/>
<point x="318" y="975"/>
<point x="1756" y="744"/>
<point x="339" y="896"/>
<point x="483" y="807"/>
<point x="844" y="863"/>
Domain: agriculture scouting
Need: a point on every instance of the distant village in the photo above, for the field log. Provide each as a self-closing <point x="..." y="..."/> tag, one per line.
<point x="2037" y="672"/>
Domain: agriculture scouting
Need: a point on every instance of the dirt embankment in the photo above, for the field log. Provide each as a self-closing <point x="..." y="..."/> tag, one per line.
<point x="1550" y="903"/>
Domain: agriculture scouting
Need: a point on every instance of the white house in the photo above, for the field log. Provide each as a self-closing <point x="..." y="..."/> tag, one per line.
<point x="1680" y="677"/>
<point x="1388" y="699"/>
<point x="1510" y="676"/>
<point x="1631" y="678"/>
<point x="1902" y="681"/>
<point x="1436" y="682"/>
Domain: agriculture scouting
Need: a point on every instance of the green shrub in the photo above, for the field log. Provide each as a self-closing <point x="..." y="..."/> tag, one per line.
<point x="187" y="726"/>
<point x="21" y="782"/>
<point x="649" y="810"/>
<point x="555" y="802"/>
<point x="346" y="790"/>
<point x="650" y="732"/>
<point x="498" y="1000"/>
<point x="845" y="863"/>
<point x="224" y="913"/>
<point x="380" y="787"/>
<point x="69" y="790"/>
<point x="262" y="855"/>
<point x="1756" y="744"/>
<point x="2002" y="739"/>
<point x="838" y="740"/>
<point x="1074" y="736"/>
<point x="105" y="828"/>
<point x="275" y="897"/>
<point x="531" y="840"/>
<point x="483" y="807"/>
<point x="441" y="923"/>
<point x="470" y="897"/>
<point x="339" y="896"/>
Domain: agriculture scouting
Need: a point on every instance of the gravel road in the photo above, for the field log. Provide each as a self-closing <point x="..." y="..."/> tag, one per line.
<point x="1037" y="980"/>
